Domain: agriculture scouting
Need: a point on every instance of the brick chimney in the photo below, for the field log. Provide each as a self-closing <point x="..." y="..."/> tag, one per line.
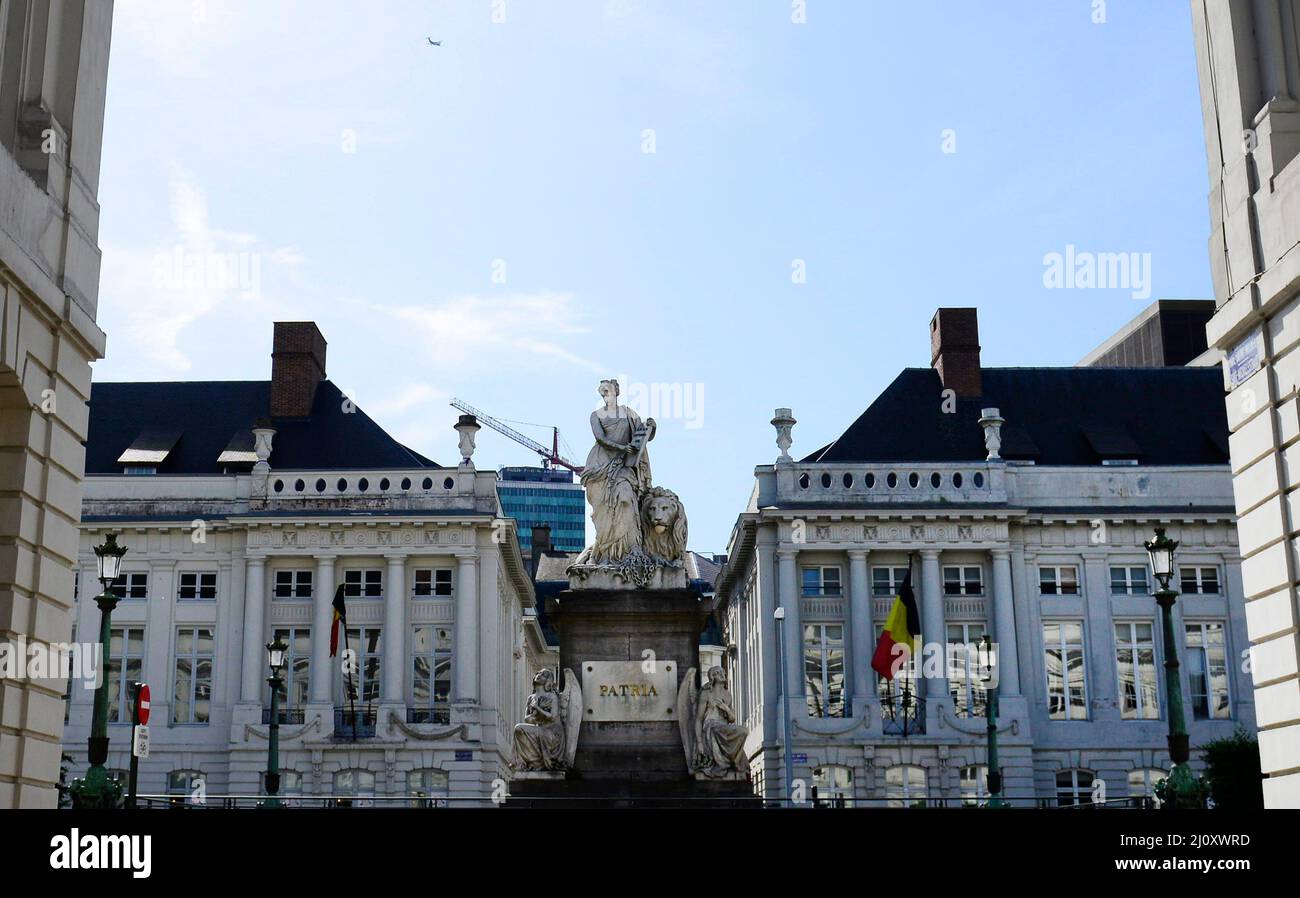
<point x="541" y="535"/>
<point x="297" y="368"/>
<point x="955" y="351"/>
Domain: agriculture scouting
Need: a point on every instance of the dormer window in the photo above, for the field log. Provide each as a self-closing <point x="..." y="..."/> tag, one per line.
<point x="149" y="450"/>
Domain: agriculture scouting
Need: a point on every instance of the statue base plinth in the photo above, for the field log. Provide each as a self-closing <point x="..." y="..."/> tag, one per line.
<point x="538" y="775"/>
<point x="733" y="776"/>
<point x="634" y="759"/>
<point x="583" y="577"/>
<point x="587" y="794"/>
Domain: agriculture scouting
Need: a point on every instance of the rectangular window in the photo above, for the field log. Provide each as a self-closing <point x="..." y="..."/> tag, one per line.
<point x="297" y="668"/>
<point x="1058" y="580"/>
<point x="292" y="584"/>
<point x="1066" y="690"/>
<point x="197" y="585"/>
<point x="823" y="664"/>
<point x="131" y="586"/>
<point x="821" y="581"/>
<point x="1207" y="670"/>
<point x="1199" y="580"/>
<point x="363" y="685"/>
<point x="965" y="648"/>
<point x="368" y="584"/>
<point x="432" y="582"/>
<point x="963" y="581"/>
<point x="127" y="653"/>
<point x="885" y="581"/>
<point x="1135" y="657"/>
<point x="192" y="699"/>
<point x="431" y="674"/>
<point x="1129" y="580"/>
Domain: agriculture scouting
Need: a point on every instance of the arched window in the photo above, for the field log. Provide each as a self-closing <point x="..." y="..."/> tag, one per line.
<point x="355" y="787"/>
<point x="187" y="785"/>
<point x="974" y="785"/>
<point x="905" y="786"/>
<point x="834" y="785"/>
<point x="1073" y="787"/>
<point x="1142" y="783"/>
<point x="427" y="788"/>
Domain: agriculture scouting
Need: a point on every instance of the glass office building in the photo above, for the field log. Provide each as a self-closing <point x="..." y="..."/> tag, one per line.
<point x="545" y="496"/>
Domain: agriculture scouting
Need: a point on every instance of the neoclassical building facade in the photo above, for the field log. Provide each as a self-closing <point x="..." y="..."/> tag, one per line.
<point x="240" y="530"/>
<point x="53" y="75"/>
<point x="1039" y="546"/>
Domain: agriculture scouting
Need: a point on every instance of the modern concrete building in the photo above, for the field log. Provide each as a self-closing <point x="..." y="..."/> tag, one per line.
<point x="53" y="74"/>
<point x="1248" y="61"/>
<point x="244" y="505"/>
<point x="1038" y="545"/>
<point x="532" y="496"/>
<point x="1167" y="332"/>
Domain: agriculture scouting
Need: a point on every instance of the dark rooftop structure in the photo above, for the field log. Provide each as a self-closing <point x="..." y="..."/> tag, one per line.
<point x="1169" y="332"/>
<point x="205" y="427"/>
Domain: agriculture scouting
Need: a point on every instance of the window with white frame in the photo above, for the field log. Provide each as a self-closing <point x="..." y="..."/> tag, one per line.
<point x="297" y="669"/>
<point x="192" y="684"/>
<point x="834" y="785"/>
<point x="823" y="654"/>
<point x="431" y="673"/>
<point x="1135" y="659"/>
<point x="1198" y="580"/>
<point x="1207" y="669"/>
<point x="364" y="681"/>
<point x="292" y="584"/>
<point x="355" y="786"/>
<point x="963" y="580"/>
<point x="290" y="793"/>
<point x="822" y="581"/>
<point x="974" y="784"/>
<point x="965" y="651"/>
<point x="1142" y="782"/>
<point x="134" y="585"/>
<point x="902" y="689"/>
<point x="905" y="786"/>
<point x="432" y="582"/>
<point x="197" y="585"/>
<point x="126" y="653"/>
<point x="1058" y="580"/>
<point x="886" y="581"/>
<point x="1067" y="697"/>
<point x="1129" y="580"/>
<point x="363" y="584"/>
<point x="427" y="788"/>
<point x="1073" y="787"/>
<point x="185" y="782"/>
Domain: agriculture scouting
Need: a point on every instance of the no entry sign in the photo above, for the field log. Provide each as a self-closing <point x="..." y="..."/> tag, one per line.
<point x="142" y="705"/>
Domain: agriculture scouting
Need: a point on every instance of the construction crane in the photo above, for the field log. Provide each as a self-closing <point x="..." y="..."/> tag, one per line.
<point x="549" y="456"/>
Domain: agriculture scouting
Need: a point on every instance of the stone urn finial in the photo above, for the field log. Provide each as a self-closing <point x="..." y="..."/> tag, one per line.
<point x="263" y="434"/>
<point x="467" y="427"/>
<point x="992" y="422"/>
<point x="783" y="422"/>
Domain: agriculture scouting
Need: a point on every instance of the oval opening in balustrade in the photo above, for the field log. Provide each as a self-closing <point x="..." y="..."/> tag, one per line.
<point x="448" y="483"/>
<point x="342" y="485"/>
<point x="935" y="480"/>
<point x="428" y="483"/>
<point x="299" y="486"/>
<point x="278" y="486"/>
<point x="826" y="481"/>
<point x="383" y="485"/>
<point x="956" y="479"/>
<point x="406" y="483"/>
<point x="914" y="480"/>
<point x="848" y="481"/>
<point x="870" y="481"/>
<point x="892" y="480"/>
<point x="978" y="480"/>
<point x="320" y="485"/>
<point x="804" y="481"/>
<point x="363" y="484"/>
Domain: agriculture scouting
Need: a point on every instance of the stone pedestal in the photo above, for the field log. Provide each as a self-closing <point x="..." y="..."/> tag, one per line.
<point x="629" y="761"/>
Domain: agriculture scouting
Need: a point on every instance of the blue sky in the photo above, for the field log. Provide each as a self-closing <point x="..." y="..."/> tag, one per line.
<point x="482" y="219"/>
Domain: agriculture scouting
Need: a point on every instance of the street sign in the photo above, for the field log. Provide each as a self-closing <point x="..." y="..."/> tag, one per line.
<point x="142" y="705"/>
<point x="140" y="742"/>
<point x="798" y="758"/>
<point x="462" y="755"/>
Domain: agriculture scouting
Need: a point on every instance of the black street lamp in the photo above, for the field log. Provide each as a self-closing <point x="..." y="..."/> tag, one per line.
<point x="277" y="659"/>
<point x="1181" y="789"/>
<point x="96" y="790"/>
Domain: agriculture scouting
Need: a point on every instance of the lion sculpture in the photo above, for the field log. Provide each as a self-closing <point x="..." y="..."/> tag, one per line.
<point x="663" y="526"/>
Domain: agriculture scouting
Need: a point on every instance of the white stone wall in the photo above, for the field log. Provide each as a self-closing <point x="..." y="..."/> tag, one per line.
<point x="53" y="66"/>
<point x="1249" y="88"/>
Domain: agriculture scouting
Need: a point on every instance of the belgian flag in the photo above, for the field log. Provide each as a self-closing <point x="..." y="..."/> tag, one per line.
<point x="902" y="627"/>
<point x="340" y="616"/>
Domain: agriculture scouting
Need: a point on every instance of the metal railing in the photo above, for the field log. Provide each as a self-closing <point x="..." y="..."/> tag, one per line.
<point x="359" y="724"/>
<point x="288" y="716"/>
<point x="903" y="716"/>
<point x="428" y="715"/>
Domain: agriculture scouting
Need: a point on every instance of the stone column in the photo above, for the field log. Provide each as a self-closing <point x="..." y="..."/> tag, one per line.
<point x="1102" y="678"/>
<point x="788" y="594"/>
<point x="739" y="672"/>
<point x="1004" y="624"/>
<point x="255" y="669"/>
<point x="933" y="630"/>
<point x="394" y="630"/>
<point x="322" y="622"/>
<point x="859" y="648"/>
<point x="464" y="648"/>
<point x="769" y="690"/>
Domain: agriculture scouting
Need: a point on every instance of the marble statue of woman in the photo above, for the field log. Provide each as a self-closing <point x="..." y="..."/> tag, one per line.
<point x="720" y="741"/>
<point x="616" y="476"/>
<point x="540" y="739"/>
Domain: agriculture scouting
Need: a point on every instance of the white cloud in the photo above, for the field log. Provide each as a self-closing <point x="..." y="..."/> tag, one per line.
<point x="471" y="330"/>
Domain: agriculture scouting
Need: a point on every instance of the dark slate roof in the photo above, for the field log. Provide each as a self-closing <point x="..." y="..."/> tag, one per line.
<point x="1054" y="416"/>
<point x="208" y="413"/>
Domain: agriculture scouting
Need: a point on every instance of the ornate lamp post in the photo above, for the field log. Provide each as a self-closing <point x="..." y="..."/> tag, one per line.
<point x="277" y="658"/>
<point x="779" y="617"/>
<point x="991" y="714"/>
<point x="1182" y="788"/>
<point x="96" y="790"/>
